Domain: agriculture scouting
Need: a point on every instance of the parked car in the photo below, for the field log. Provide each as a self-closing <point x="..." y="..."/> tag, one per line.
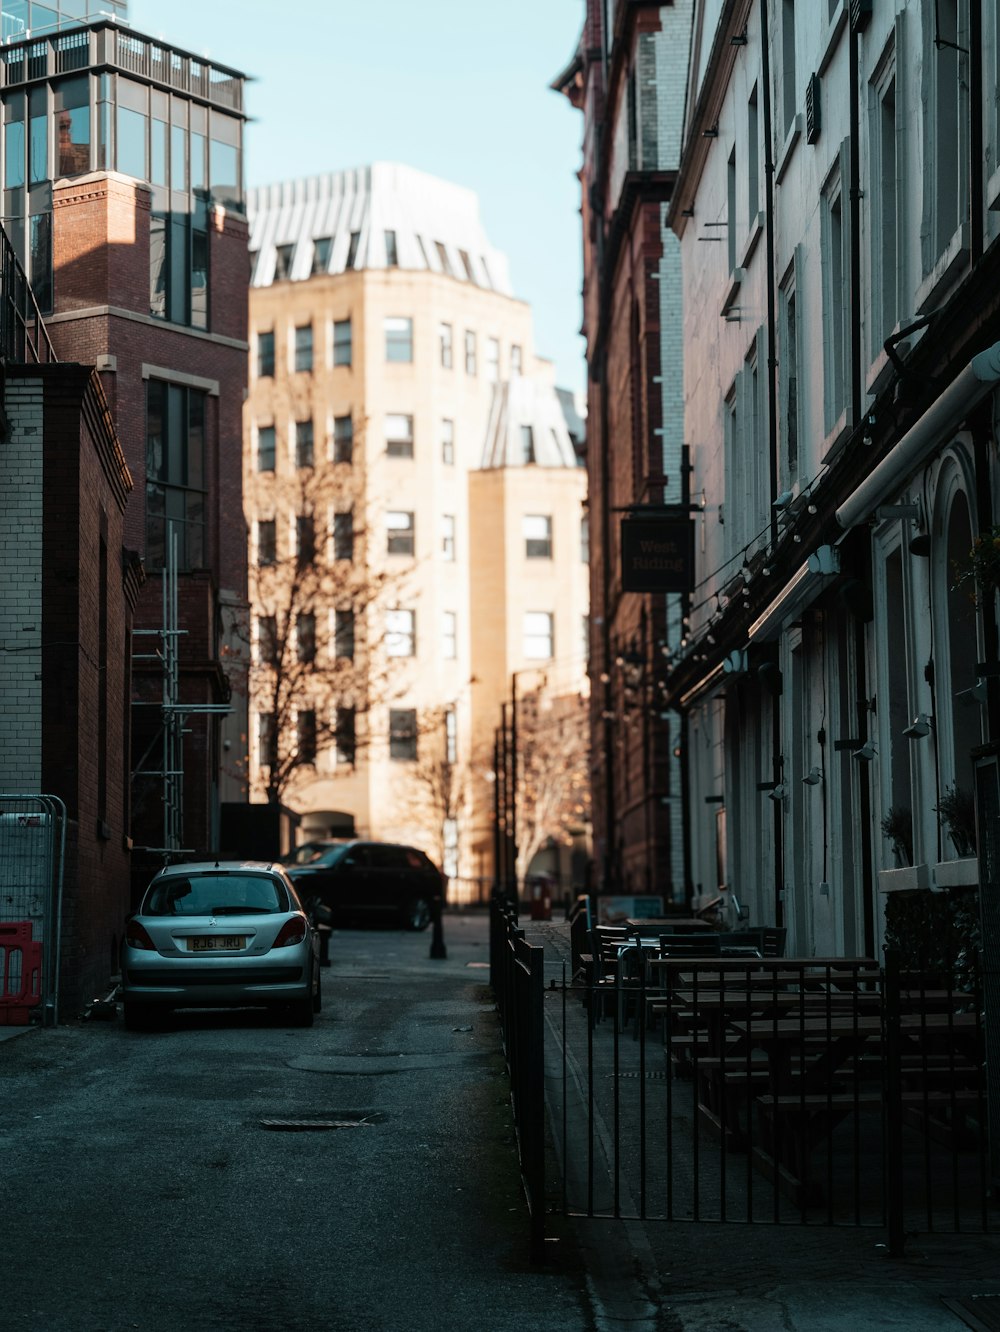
<point x="220" y="934"/>
<point x="372" y="879"/>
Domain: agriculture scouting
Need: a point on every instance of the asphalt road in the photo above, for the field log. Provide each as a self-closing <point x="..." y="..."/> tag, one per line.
<point x="141" y="1186"/>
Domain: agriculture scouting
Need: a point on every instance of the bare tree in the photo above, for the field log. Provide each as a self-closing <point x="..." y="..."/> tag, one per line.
<point x="312" y="587"/>
<point x="553" y="787"/>
<point x="438" y="779"/>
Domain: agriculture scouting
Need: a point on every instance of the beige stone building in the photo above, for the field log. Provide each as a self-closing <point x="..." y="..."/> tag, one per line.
<point x="416" y="509"/>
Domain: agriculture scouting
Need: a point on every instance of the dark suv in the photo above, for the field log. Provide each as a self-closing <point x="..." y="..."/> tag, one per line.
<point x="370" y="878"/>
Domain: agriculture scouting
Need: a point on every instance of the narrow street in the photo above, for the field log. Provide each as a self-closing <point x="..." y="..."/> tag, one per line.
<point x="142" y="1187"/>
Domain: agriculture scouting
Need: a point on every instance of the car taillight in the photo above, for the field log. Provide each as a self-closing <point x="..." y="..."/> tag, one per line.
<point x="292" y="932"/>
<point x="136" y="937"/>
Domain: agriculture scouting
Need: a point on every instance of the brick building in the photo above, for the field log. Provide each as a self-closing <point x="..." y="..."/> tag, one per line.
<point x="627" y="78"/>
<point x="123" y="159"/>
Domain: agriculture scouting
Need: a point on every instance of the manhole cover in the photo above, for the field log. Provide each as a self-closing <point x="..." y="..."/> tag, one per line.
<point x="315" y="1125"/>
<point x="980" y="1312"/>
<point x="483" y="965"/>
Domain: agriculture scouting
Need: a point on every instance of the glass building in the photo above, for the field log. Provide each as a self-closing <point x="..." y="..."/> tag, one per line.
<point x="81" y="93"/>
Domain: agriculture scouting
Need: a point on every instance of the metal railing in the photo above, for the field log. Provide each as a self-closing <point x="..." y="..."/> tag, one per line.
<point x="24" y="338"/>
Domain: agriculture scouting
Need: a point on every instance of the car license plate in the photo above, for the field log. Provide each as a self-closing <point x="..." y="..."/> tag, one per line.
<point x="213" y="943"/>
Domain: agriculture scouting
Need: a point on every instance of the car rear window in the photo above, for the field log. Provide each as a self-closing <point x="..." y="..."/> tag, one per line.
<point x="215" y="895"/>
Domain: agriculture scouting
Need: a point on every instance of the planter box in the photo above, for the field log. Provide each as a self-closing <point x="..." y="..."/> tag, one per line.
<point x="962" y="873"/>
<point x="905" y="880"/>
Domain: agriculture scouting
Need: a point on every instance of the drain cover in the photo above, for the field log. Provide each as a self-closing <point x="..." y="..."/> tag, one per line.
<point x="980" y="1312"/>
<point x="314" y="1125"/>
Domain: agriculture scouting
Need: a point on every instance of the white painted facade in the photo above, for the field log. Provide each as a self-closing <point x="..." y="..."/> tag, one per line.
<point x="779" y="670"/>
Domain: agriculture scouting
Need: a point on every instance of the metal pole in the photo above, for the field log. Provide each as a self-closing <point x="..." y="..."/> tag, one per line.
<point x="513" y="783"/>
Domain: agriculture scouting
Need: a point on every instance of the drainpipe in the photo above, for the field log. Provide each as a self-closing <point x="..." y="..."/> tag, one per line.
<point x="976" y="105"/>
<point x="772" y="402"/>
<point x="607" y="690"/>
<point x="855" y="214"/>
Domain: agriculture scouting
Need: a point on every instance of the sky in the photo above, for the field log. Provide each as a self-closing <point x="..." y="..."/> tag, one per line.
<point x="456" y="89"/>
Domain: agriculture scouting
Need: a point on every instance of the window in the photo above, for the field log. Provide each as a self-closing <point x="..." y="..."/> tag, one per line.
<point x="343" y="634"/>
<point x="753" y="158"/>
<point x="470" y="352"/>
<point x="265" y="449"/>
<point x="283" y="262"/>
<point x="538" y="634"/>
<point x="400" y="536"/>
<point x="448" y="442"/>
<point x="448" y="536"/>
<point x="515" y="360"/>
<point x="402" y="733"/>
<point x="788" y="73"/>
<point x="398" y="339"/>
<point x="446" y="345"/>
<point x="467" y="265"/>
<point x="342" y="342"/>
<point x="175" y="473"/>
<point x="305" y="538"/>
<point x="305" y="636"/>
<point x="836" y="308"/>
<point x="391" y="253"/>
<point x="399" y="436"/>
<point x="303" y="443"/>
<point x="887" y="192"/>
<point x="267" y="740"/>
<point x="265" y="355"/>
<point x="492" y="360"/>
<point x="321" y="254"/>
<point x="537" y="530"/>
<point x="527" y="444"/>
<point x="352" y="250"/>
<point x="585" y="539"/>
<point x="400" y="633"/>
<point x="449" y="635"/>
<point x="443" y="259"/>
<point x="450" y="736"/>
<point x="267" y="640"/>
<point x="304" y="348"/>
<point x="731" y="211"/>
<point x="345" y="742"/>
<point x="788" y="378"/>
<point x="343" y="535"/>
<point x="305" y="736"/>
<point x="946" y="118"/>
<point x="343" y="439"/>
<point x="267" y="542"/>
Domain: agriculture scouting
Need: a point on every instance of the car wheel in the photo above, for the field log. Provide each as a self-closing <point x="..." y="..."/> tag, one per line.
<point x="317" y="1000"/>
<point x="418" y="914"/>
<point x="303" y="1012"/>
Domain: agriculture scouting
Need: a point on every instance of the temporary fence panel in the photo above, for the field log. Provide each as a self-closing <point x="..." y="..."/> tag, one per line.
<point x="32" y="854"/>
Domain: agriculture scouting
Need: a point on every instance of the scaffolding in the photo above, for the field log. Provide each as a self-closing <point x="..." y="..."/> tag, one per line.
<point x="174" y="713"/>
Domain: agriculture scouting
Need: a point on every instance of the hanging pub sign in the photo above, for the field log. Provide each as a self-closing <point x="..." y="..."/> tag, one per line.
<point x="657" y="554"/>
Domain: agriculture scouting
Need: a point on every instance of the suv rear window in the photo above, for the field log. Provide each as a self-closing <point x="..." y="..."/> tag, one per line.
<point x="215" y="895"/>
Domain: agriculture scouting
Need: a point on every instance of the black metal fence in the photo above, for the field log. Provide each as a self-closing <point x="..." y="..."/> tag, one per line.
<point x="516" y="977"/>
<point x="775" y="1091"/>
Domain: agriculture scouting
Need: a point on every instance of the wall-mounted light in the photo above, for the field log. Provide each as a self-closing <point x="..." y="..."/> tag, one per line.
<point x="866" y="753"/>
<point x="813" y="777"/>
<point x="778" y="793"/>
<point x="784" y="499"/>
<point x="919" y="727"/>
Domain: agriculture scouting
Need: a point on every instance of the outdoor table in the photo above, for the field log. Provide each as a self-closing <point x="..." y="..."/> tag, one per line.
<point x="668" y="924"/>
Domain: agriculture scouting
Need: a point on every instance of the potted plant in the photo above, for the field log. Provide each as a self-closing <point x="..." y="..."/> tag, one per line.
<point x="957" y="810"/>
<point x="897" y="826"/>
<point x="981" y="567"/>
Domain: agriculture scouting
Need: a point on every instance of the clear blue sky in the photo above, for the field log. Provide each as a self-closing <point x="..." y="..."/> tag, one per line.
<point x="454" y="88"/>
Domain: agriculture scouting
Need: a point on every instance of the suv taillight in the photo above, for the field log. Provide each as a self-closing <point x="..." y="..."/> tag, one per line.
<point x="292" y="932"/>
<point x="136" y="937"/>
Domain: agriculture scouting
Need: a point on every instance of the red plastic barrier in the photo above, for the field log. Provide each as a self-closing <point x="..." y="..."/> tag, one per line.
<point x="20" y="973"/>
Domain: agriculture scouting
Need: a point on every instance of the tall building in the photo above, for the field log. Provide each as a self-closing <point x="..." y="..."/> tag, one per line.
<point x="121" y="159"/>
<point x="416" y="509"/>
<point x="626" y="78"/>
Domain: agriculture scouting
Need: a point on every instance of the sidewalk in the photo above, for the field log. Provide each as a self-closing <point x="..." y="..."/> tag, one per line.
<point x="703" y="1277"/>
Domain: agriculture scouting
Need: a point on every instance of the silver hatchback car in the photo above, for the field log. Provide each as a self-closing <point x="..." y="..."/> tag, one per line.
<point x="220" y="934"/>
